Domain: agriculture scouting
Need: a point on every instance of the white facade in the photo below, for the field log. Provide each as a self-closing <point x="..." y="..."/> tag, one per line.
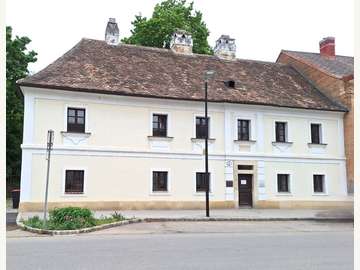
<point x="118" y="153"/>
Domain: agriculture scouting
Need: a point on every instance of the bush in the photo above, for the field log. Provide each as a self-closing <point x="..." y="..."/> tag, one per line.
<point x="71" y="218"/>
<point x="34" y="222"/>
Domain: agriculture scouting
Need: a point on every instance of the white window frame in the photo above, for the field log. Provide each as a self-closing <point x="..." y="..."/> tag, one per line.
<point x="64" y="194"/>
<point x="325" y="184"/>
<point x="287" y="131"/>
<point x="168" y="123"/>
<point x="252" y="119"/>
<point x="76" y="106"/>
<point x="290" y="192"/>
<point x="321" y="131"/>
<point x="160" y="193"/>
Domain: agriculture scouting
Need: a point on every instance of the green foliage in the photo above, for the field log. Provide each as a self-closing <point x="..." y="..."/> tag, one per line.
<point x="166" y="18"/>
<point x="17" y="60"/>
<point x="71" y="218"/>
<point x="117" y="216"/>
<point x="34" y="222"/>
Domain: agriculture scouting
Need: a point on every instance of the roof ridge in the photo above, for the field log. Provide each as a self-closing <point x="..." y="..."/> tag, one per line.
<point x="290" y="51"/>
<point x="182" y="54"/>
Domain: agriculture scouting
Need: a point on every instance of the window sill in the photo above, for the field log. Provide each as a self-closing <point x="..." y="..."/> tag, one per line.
<point x="320" y="194"/>
<point x="160" y="193"/>
<point x="317" y="144"/>
<point x="289" y="143"/>
<point x="74" y="195"/>
<point x="160" y="138"/>
<point x="284" y="194"/>
<point x="75" y="133"/>
<point x="245" y="141"/>
<point x="201" y="140"/>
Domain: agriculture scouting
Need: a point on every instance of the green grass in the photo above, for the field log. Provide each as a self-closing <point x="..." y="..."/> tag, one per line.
<point x="71" y="218"/>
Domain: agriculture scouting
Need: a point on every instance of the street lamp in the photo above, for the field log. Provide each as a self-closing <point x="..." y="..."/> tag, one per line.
<point x="208" y="76"/>
<point x="49" y="145"/>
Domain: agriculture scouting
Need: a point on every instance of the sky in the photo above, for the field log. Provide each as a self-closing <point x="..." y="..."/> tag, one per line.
<point x="261" y="27"/>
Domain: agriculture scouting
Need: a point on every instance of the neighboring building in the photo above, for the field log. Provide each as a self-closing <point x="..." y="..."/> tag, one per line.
<point x="334" y="76"/>
<point x="129" y="130"/>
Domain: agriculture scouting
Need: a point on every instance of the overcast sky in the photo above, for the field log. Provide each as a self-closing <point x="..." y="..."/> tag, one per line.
<point x="261" y="27"/>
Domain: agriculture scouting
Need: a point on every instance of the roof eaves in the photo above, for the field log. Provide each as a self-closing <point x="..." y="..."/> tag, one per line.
<point x="97" y="91"/>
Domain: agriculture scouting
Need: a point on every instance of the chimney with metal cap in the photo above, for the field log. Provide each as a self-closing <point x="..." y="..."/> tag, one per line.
<point x="225" y="48"/>
<point x="181" y="42"/>
<point x="112" y="32"/>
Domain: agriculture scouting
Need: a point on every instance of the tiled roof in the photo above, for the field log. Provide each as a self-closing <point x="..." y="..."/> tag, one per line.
<point x="94" y="66"/>
<point x="339" y="66"/>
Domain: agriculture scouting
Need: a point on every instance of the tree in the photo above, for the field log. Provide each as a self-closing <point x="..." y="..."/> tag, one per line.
<point x="166" y="18"/>
<point x="17" y="60"/>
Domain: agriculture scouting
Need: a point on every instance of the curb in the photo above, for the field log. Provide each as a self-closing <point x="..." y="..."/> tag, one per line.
<point x="138" y="220"/>
<point x="78" y="231"/>
<point x="247" y="219"/>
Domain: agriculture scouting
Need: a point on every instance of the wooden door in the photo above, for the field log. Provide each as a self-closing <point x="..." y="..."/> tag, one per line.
<point x="245" y="189"/>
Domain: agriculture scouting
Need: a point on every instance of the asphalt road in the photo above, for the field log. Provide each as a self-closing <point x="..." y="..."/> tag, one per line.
<point x="186" y="245"/>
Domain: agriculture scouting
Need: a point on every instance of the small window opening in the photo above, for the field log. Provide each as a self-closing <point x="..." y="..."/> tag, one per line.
<point x="230" y="83"/>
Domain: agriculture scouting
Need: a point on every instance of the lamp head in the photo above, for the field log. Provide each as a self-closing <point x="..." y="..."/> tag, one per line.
<point x="209" y="74"/>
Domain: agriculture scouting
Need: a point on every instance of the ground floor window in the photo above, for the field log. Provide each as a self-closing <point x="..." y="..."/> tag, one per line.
<point x="319" y="185"/>
<point x="160" y="181"/>
<point x="283" y="183"/>
<point x="201" y="182"/>
<point x="74" y="181"/>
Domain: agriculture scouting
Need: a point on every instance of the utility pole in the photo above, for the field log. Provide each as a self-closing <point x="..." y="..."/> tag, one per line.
<point x="208" y="75"/>
<point x="50" y="141"/>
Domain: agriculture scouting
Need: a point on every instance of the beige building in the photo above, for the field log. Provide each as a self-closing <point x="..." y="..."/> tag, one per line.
<point x="334" y="75"/>
<point x="129" y="131"/>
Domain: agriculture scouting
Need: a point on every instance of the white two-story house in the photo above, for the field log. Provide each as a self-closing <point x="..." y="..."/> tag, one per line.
<point x="129" y="131"/>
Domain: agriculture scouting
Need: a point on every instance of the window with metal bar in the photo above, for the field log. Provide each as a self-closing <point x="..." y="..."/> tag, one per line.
<point x="283" y="183"/>
<point x="201" y="182"/>
<point x="76" y="120"/>
<point x="243" y="130"/>
<point x="159" y="124"/>
<point x="201" y="129"/>
<point x="280" y="131"/>
<point x="315" y="133"/>
<point x="74" y="181"/>
<point x="160" y="181"/>
<point x="318" y="180"/>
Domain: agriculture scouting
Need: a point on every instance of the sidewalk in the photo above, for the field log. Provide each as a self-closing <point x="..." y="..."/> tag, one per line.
<point x="230" y="214"/>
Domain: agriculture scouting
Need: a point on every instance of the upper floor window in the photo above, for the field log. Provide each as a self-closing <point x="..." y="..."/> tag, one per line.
<point x="201" y="130"/>
<point x="201" y="182"/>
<point x="316" y="133"/>
<point x="243" y="130"/>
<point x="74" y="181"/>
<point x="319" y="185"/>
<point x="283" y="183"/>
<point x="76" y="120"/>
<point x="159" y="125"/>
<point x="160" y="181"/>
<point x="280" y="131"/>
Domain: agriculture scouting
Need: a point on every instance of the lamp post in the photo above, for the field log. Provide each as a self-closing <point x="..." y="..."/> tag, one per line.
<point x="49" y="145"/>
<point x="208" y="75"/>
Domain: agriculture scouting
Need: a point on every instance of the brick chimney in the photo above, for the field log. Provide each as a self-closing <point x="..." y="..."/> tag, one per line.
<point x="225" y="48"/>
<point x="181" y="42"/>
<point x="112" y="32"/>
<point x="327" y="47"/>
